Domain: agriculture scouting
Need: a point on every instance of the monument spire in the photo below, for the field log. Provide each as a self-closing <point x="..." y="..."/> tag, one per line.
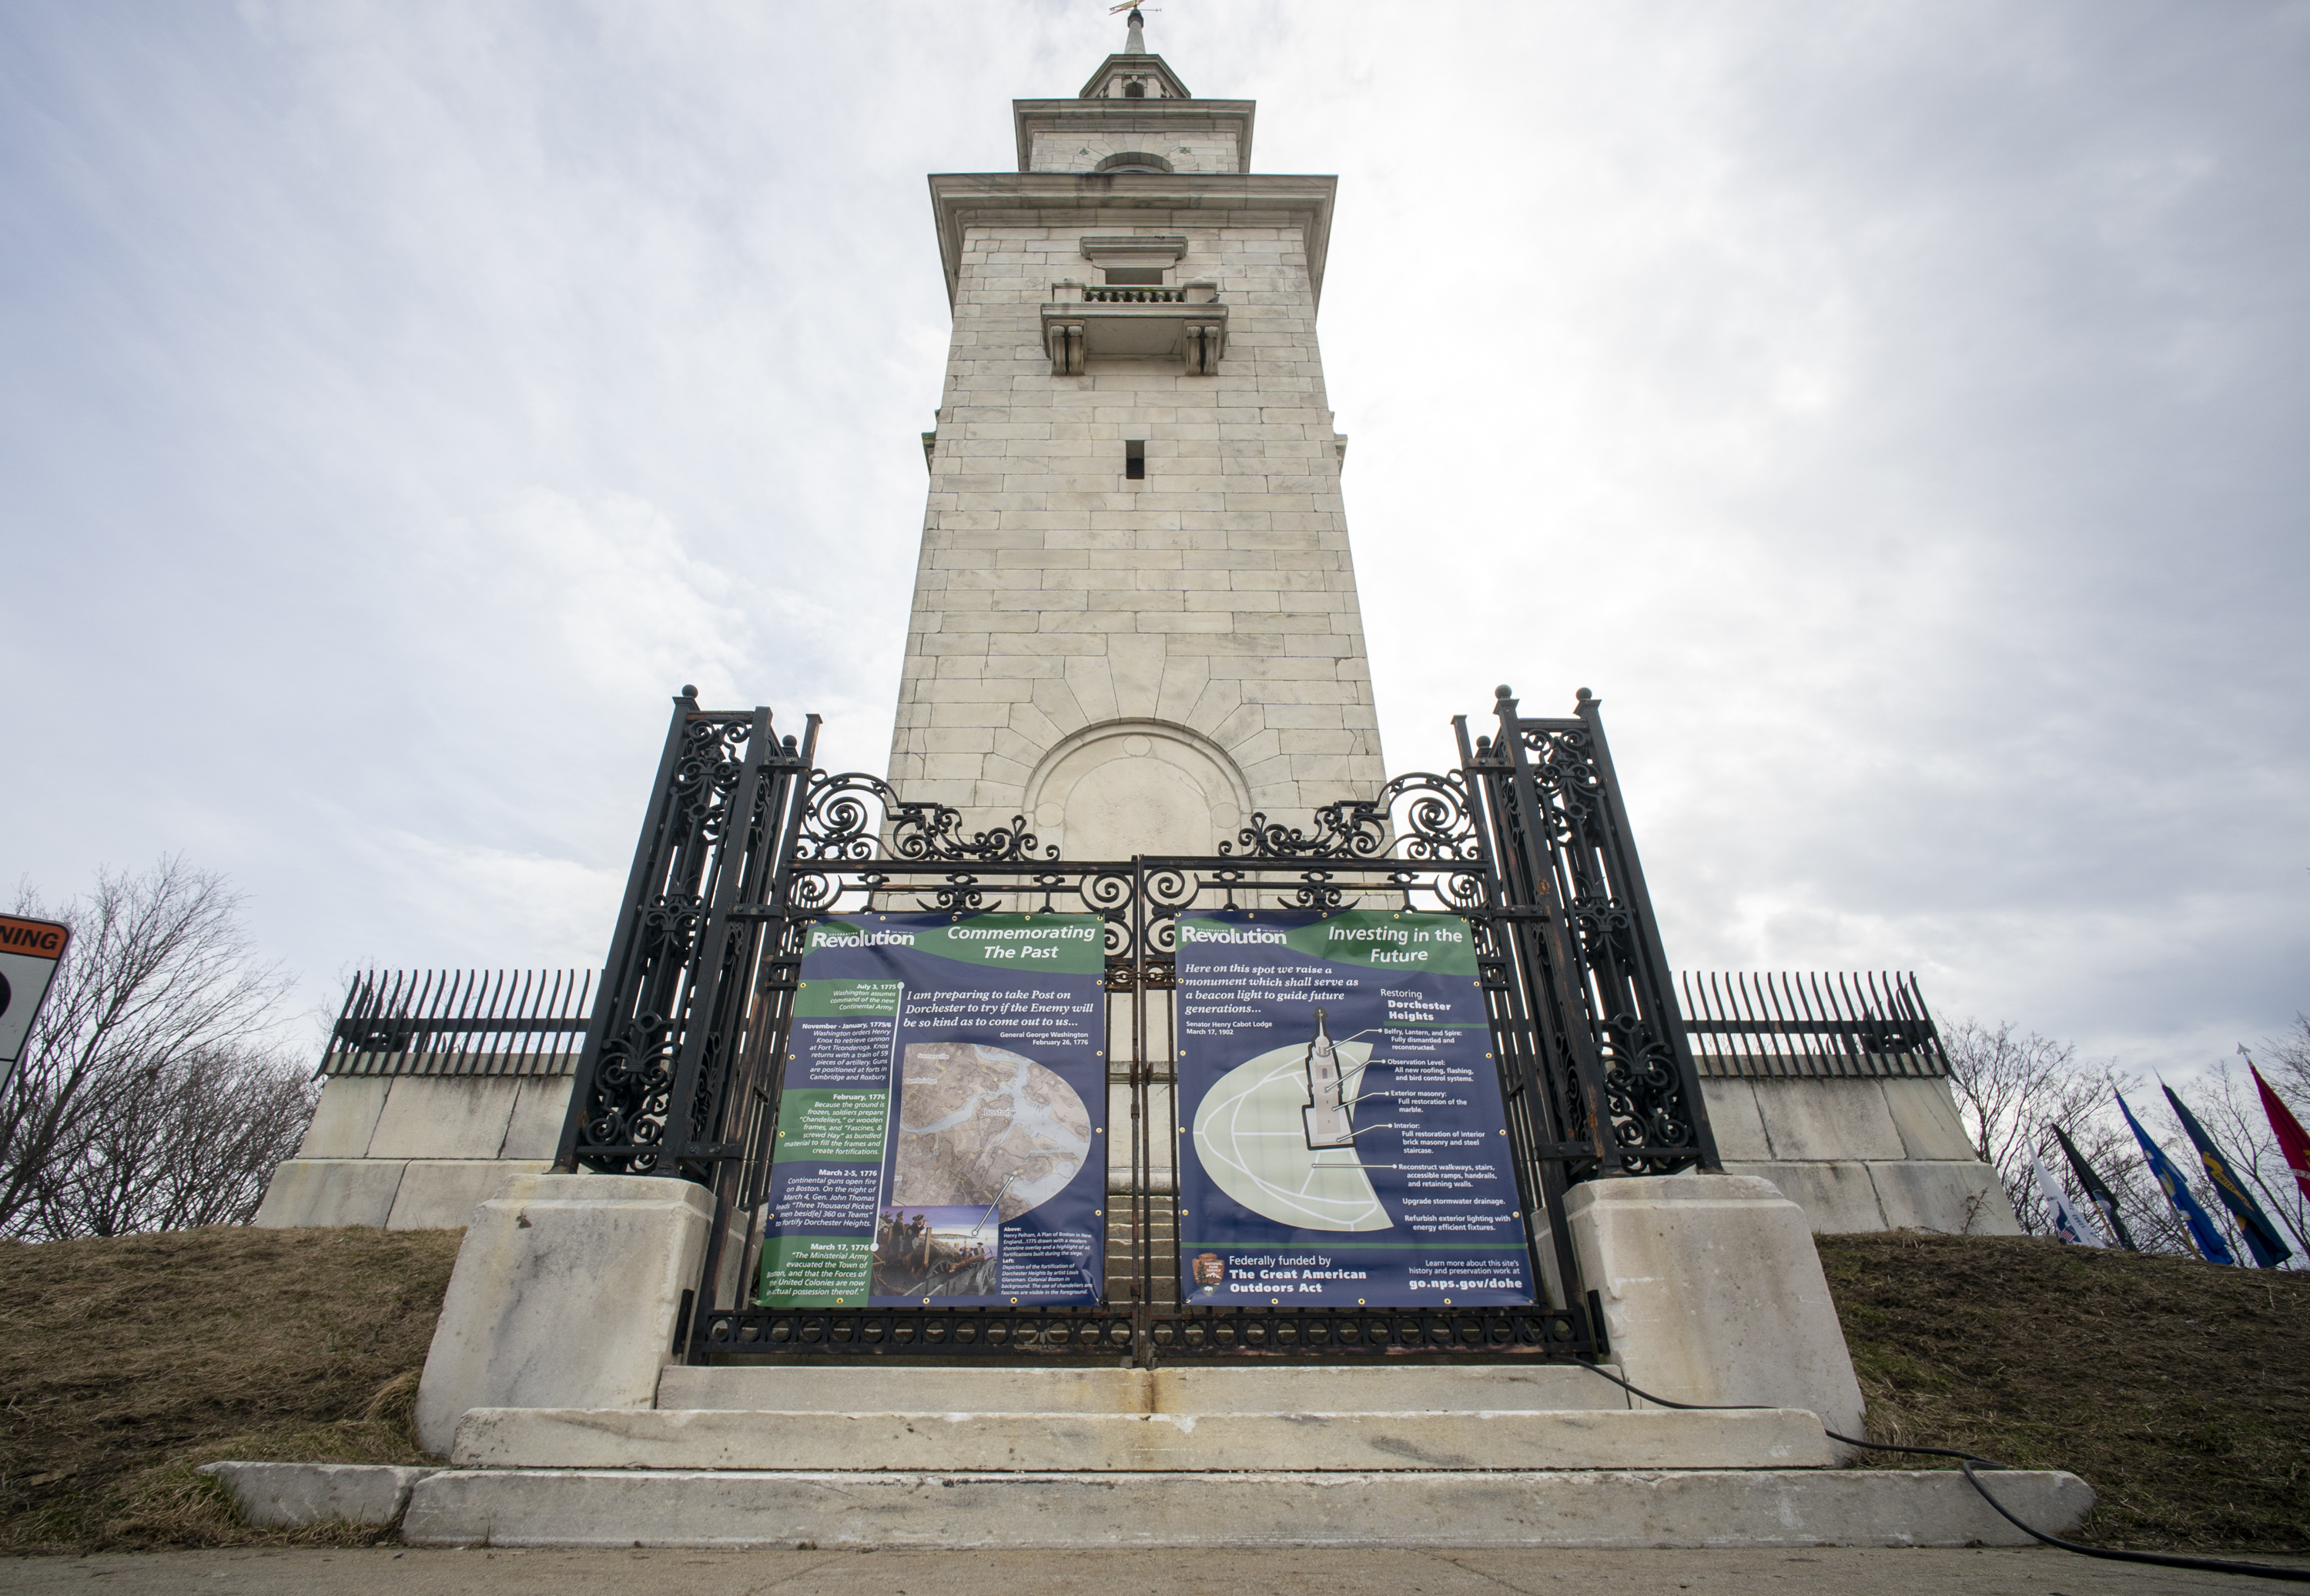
<point x="1135" y="41"/>
<point x="1135" y="621"/>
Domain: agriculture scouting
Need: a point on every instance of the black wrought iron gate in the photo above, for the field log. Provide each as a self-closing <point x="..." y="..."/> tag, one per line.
<point x="746" y="844"/>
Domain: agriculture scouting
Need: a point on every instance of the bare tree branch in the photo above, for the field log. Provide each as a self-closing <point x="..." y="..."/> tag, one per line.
<point x="2011" y="1087"/>
<point x="2285" y="1063"/>
<point x="195" y="1143"/>
<point x="158" y="987"/>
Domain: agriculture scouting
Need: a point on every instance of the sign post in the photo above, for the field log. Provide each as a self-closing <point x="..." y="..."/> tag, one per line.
<point x="30" y="953"/>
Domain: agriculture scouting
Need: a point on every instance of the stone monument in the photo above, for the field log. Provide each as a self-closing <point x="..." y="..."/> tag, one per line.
<point x="1134" y="621"/>
<point x="1135" y="626"/>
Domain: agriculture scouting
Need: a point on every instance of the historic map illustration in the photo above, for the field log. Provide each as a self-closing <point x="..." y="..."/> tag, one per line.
<point x="979" y="1124"/>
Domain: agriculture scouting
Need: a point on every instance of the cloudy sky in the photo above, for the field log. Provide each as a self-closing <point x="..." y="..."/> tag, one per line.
<point x="1894" y="412"/>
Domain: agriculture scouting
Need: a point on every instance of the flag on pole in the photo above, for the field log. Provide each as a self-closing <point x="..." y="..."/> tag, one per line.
<point x="2096" y="1190"/>
<point x="2195" y="1220"/>
<point x="2069" y="1224"/>
<point x="2262" y="1238"/>
<point x="2293" y="1141"/>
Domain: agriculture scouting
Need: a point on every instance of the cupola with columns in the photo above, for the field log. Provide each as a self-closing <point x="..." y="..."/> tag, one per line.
<point x="1133" y="115"/>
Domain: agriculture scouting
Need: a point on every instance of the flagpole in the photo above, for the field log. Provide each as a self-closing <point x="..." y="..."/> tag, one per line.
<point x="2263" y="1242"/>
<point x="2096" y="1190"/>
<point x="2232" y="1232"/>
<point x="2256" y="1174"/>
<point x="2286" y="1218"/>
<point x="2203" y="1236"/>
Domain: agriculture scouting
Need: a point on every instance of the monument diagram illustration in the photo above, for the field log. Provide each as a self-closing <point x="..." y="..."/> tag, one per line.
<point x="1278" y="1135"/>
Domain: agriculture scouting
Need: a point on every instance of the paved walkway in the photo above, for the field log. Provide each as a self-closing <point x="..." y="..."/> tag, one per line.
<point x="1825" y="1572"/>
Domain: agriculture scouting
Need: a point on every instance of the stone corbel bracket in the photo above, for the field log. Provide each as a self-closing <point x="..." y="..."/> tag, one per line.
<point x="1188" y="322"/>
<point x="1064" y="340"/>
<point x="1206" y="341"/>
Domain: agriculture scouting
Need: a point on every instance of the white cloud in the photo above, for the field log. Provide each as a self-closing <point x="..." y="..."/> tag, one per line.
<point x="1892" y="411"/>
<point x="610" y="598"/>
<point x="470" y="903"/>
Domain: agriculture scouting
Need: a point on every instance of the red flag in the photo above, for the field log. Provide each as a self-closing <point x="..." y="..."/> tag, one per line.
<point x="2293" y="1141"/>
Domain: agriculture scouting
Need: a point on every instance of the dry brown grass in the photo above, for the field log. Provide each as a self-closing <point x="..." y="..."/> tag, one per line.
<point x="2182" y="1392"/>
<point x="2179" y="1391"/>
<point x="127" y="1361"/>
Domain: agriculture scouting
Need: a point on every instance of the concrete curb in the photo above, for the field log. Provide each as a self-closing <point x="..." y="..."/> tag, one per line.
<point x="1152" y="1443"/>
<point x="1701" y="1508"/>
<point x="287" y="1496"/>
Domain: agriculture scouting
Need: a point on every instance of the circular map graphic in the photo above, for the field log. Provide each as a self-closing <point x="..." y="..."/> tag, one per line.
<point x="982" y="1125"/>
<point x="1251" y="1132"/>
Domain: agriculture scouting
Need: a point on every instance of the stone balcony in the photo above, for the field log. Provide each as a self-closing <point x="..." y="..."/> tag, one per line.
<point x="1082" y="320"/>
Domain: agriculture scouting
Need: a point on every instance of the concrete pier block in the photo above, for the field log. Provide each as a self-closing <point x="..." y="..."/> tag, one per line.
<point x="441" y="1193"/>
<point x="1714" y="1294"/>
<point x="565" y="1294"/>
<point x="326" y="1192"/>
<point x="345" y="1117"/>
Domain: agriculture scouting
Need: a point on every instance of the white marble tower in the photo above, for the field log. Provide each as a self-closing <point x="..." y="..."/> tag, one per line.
<point x="1134" y="619"/>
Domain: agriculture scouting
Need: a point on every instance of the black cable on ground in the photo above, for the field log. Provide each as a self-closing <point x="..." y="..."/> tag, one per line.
<point x="1965" y="1462"/>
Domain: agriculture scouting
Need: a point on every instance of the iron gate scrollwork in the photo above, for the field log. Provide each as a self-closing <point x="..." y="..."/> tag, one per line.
<point x="746" y="845"/>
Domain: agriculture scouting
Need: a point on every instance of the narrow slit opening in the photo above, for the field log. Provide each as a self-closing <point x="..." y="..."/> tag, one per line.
<point x="1134" y="460"/>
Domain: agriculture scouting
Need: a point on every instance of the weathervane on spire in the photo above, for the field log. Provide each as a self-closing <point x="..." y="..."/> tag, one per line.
<point x="1135" y="43"/>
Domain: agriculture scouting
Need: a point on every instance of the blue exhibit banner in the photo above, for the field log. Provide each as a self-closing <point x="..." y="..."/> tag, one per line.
<point x="1342" y="1138"/>
<point x="943" y="1123"/>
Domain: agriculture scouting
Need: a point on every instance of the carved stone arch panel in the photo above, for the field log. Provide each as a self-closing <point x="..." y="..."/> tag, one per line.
<point x="1132" y="787"/>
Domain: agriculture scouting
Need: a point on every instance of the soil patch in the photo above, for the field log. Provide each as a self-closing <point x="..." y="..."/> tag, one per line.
<point x="2179" y="1391"/>
<point x="127" y="1360"/>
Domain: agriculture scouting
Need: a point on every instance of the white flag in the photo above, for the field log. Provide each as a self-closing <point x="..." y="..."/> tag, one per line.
<point x="2069" y="1224"/>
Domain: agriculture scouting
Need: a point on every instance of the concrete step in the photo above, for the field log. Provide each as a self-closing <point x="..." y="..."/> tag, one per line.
<point x="1390" y="1388"/>
<point x="725" y="1438"/>
<point x="520" y="1507"/>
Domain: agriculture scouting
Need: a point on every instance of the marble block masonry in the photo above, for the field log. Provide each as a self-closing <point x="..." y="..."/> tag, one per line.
<point x="1135" y="621"/>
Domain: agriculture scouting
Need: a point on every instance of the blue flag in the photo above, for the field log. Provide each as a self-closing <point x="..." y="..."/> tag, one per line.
<point x="2203" y="1230"/>
<point x="2262" y="1238"/>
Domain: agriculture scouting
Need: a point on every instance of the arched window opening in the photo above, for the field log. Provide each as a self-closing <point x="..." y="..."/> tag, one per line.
<point x="1134" y="90"/>
<point x="1134" y="160"/>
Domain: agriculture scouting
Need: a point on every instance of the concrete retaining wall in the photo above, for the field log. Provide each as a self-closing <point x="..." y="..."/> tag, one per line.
<point x="1858" y="1155"/>
<point x="411" y="1152"/>
<point x="415" y="1152"/>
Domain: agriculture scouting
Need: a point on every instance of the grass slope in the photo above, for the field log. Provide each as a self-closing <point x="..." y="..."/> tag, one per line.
<point x="126" y="1361"/>
<point x="2179" y="1391"/>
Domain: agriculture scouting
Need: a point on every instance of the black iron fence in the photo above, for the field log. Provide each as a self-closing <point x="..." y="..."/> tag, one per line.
<point x="1817" y="1024"/>
<point x="461" y="1022"/>
<point x="746" y="844"/>
<point x="1805" y="1024"/>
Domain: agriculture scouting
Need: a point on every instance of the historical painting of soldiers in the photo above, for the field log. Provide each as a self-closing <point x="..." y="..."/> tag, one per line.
<point x="936" y="1252"/>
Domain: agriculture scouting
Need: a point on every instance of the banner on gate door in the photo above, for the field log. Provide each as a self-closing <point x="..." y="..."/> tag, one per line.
<point x="942" y="1124"/>
<point x="1342" y="1140"/>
